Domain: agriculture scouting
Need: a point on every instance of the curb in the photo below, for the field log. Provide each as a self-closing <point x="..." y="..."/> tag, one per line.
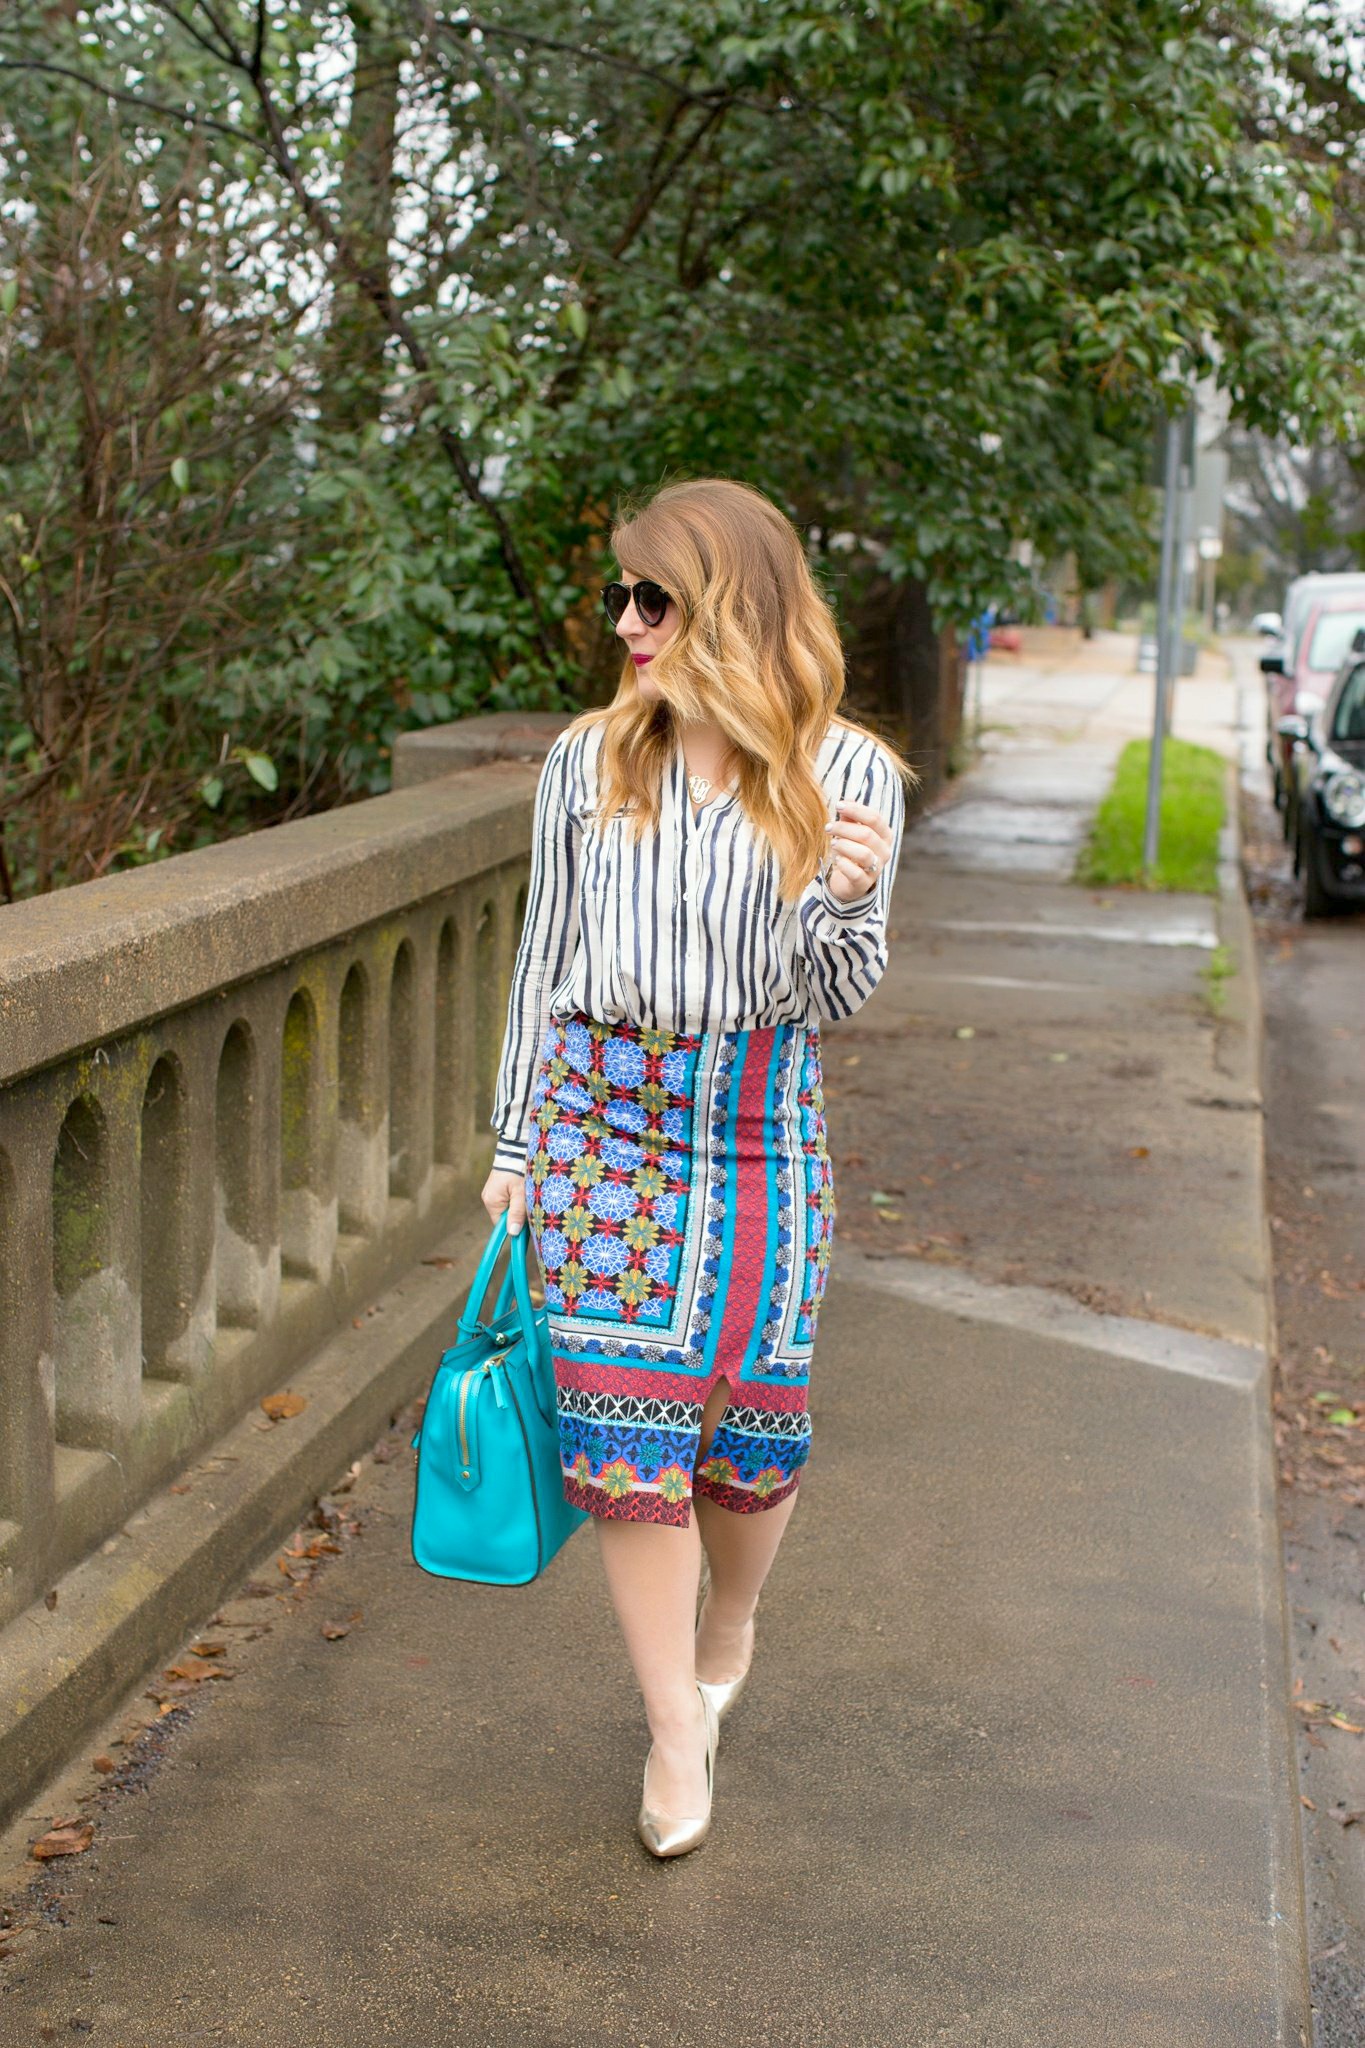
<point x="1239" y="1053"/>
<point x="1239" y="1042"/>
<point x="118" y="1613"/>
<point x="1237" y="931"/>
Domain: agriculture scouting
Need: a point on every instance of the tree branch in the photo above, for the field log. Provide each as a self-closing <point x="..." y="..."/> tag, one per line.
<point x="159" y="108"/>
<point x="376" y="288"/>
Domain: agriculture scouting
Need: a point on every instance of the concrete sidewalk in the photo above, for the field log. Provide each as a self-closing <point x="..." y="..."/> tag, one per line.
<point x="1014" y="1767"/>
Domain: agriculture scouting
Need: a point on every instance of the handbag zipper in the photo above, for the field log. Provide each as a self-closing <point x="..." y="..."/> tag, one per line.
<point x="464" y="1440"/>
<point x="472" y="1374"/>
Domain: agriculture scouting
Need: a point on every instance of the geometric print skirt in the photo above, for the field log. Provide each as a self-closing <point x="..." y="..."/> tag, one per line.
<point x="681" y="1202"/>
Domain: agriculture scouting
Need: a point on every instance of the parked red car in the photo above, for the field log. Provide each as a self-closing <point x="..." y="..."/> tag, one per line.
<point x="1319" y="650"/>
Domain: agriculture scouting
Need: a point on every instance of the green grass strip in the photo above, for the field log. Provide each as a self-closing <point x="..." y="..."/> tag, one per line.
<point x="1193" y="781"/>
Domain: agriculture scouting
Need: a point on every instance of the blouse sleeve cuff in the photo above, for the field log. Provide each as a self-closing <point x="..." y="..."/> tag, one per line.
<point x="509" y="1156"/>
<point x="849" y="912"/>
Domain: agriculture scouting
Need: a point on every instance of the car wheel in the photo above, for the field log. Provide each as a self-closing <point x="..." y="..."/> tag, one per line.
<point x="1317" y="901"/>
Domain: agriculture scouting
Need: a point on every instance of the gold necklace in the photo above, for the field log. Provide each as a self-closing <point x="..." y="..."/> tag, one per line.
<point x="699" y="786"/>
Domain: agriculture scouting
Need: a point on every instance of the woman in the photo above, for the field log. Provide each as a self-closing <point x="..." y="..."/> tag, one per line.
<point x="712" y="864"/>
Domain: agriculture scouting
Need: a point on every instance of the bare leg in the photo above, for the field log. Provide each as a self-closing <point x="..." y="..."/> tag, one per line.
<point x="653" y="1572"/>
<point x="740" y="1550"/>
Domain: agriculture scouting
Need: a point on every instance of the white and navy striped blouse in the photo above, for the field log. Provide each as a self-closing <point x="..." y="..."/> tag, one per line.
<point x="684" y="931"/>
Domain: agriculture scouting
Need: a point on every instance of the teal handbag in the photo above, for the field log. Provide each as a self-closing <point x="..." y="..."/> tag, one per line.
<point x="489" y="1502"/>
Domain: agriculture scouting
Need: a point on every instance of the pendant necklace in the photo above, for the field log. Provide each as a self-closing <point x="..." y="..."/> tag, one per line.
<point x="699" y="786"/>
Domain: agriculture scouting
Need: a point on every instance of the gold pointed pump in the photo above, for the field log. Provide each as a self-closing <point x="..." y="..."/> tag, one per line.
<point x="723" y="1692"/>
<point x="663" y="1835"/>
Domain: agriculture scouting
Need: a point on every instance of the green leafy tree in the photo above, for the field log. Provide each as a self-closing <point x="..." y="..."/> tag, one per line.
<point x="924" y="271"/>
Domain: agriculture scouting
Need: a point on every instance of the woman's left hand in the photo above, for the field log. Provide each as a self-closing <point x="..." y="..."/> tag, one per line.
<point x="860" y="842"/>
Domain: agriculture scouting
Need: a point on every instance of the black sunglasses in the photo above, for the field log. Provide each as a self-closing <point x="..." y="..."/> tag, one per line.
<point x="651" y="601"/>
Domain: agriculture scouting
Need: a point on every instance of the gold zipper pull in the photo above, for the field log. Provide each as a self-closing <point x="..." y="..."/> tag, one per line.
<point x="464" y="1441"/>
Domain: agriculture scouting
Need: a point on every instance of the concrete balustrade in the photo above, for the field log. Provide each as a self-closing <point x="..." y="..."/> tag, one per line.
<point x="241" y="1092"/>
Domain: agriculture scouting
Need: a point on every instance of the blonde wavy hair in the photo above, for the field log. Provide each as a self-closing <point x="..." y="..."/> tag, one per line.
<point x="757" y="652"/>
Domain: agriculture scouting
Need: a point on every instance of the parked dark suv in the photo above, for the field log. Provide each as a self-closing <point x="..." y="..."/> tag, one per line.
<point x="1327" y="794"/>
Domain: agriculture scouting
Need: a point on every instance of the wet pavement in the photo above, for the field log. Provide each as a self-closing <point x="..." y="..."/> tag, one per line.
<point x="1313" y="974"/>
<point x="996" y="1780"/>
<point x="1013" y="1770"/>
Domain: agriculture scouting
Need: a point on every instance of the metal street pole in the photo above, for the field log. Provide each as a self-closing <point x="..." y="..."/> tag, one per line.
<point x="1165" y="595"/>
<point x="1181" y="598"/>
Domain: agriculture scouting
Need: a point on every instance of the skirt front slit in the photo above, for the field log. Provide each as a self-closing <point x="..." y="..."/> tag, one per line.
<point x="681" y="1202"/>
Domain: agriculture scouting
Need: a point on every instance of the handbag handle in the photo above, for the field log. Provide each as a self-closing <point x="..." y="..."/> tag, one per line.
<point x="516" y="1245"/>
<point x="469" y="1323"/>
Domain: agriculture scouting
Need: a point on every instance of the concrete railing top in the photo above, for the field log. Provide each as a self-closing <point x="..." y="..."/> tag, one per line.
<point x="86" y="963"/>
<point x="472" y="742"/>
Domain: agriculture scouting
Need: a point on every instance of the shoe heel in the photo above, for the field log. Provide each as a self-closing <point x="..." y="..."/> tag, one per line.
<point x="666" y="1837"/>
<point x="723" y="1693"/>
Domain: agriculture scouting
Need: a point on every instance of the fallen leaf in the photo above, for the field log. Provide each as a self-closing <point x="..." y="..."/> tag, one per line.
<point x="335" y="1630"/>
<point x="103" y="1763"/>
<point x="195" y="1674"/>
<point x="1351" y="1727"/>
<point x="64" y="1838"/>
<point x="964" y="1031"/>
<point x="1349" y="1820"/>
<point x="279" y="1407"/>
<point x="439" y="1259"/>
<point x="1304" y="1800"/>
<point x="1139" y="1151"/>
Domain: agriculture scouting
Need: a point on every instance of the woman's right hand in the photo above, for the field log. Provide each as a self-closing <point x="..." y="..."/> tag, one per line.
<point x="505" y="1190"/>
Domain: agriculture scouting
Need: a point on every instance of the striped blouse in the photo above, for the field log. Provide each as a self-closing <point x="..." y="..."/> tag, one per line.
<point x="684" y="931"/>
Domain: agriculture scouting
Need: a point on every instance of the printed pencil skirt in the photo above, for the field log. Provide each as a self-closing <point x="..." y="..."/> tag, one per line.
<point x="680" y="1198"/>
